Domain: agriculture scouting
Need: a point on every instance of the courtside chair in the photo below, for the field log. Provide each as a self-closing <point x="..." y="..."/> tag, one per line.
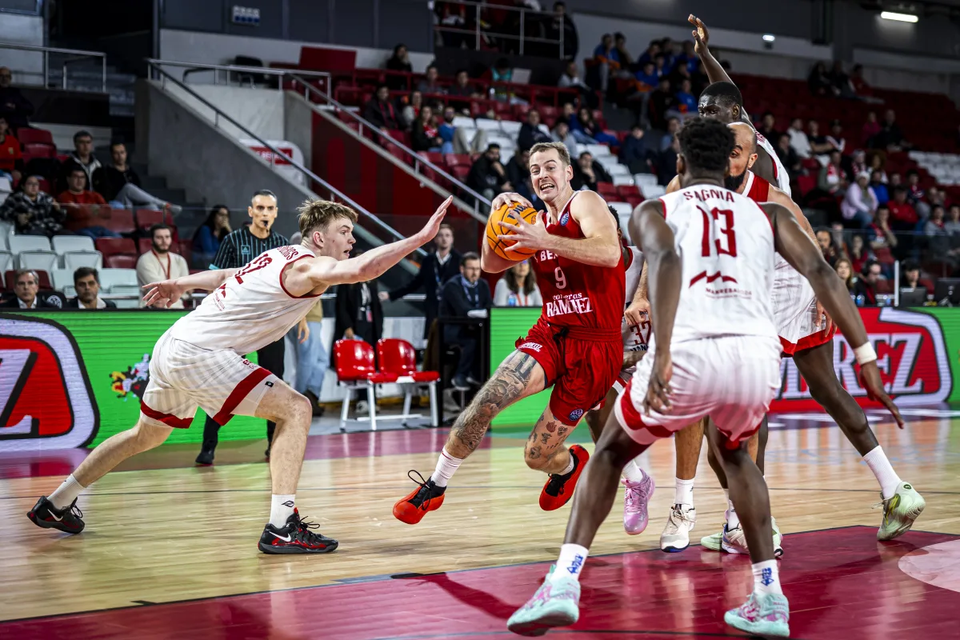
<point x="356" y="371"/>
<point x="400" y="358"/>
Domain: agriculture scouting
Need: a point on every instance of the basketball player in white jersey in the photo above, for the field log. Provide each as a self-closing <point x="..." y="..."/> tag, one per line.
<point x="715" y="352"/>
<point x="199" y="362"/>
<point x="638" y="486"/>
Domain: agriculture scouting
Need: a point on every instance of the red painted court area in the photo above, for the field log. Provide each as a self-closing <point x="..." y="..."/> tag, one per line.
<point x="841" y="583"/>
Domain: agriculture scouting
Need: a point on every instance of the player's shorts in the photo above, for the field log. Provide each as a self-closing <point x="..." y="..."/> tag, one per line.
<point x="795" y="311"/>
<point x="184" y="376"/>
<point x="581" y="364"/>
<point x="623" y="378"/>
<point x="731" y="379"/>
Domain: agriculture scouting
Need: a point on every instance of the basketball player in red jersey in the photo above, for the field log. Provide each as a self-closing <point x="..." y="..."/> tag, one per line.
<point x="575" y="346"/>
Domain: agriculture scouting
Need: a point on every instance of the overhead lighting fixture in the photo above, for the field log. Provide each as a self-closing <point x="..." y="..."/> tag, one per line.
<point x="898" y="17"/>
<point x="769" y="37"/>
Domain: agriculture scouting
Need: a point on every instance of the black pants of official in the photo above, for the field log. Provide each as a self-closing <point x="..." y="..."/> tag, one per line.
<point x="271" y="359"/>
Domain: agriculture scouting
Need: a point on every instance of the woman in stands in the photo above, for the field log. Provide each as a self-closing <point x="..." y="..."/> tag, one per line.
<point x="33" y="212"/>
<point x="845" y="271"/>
<point x="590" y="127"/>
<point x="426" y="135"/>
<point x="518" y="288"/>
<point x="206" y="240"/>
<point x="399" y="61"/>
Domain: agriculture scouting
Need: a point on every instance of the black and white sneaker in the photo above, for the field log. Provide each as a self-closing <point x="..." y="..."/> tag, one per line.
<point x="295" y="537"/>
<point x="44" y="514"/>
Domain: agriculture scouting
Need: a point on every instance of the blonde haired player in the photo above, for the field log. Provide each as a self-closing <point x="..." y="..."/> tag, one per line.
<point x="715" y="352"/>
<point x="199" y="362"/>
<point x="575" y="346"/>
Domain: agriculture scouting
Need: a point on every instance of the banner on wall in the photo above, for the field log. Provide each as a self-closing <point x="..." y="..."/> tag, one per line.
<point x="277" y="162"/>
<point x="917" y="351"/>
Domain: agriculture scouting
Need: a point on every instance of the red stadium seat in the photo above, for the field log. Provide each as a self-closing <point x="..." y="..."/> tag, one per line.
<point x="120" y="261"/>
<point x="34" y="150"/>
<point x="118" y="220"/>
<point x="355" y="371"/>
<point x="146" y="218"/>
<point x="606" y="190"/>
<point x="114" y="246"/>
<point x="625" y="191"/>
<point x="398" y="357"/>
<point x="27" y="135"/>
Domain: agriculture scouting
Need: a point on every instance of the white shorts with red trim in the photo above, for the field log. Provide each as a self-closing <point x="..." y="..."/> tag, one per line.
<point x="731" y="379"/>
<point x="184" y="376"/>
<point x="795" y="311"/>
<point x="624" y="378"/>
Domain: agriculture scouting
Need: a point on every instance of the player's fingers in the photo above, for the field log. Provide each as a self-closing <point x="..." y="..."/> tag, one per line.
<point x="507" y="225"/>
<point x="892" y="408"/>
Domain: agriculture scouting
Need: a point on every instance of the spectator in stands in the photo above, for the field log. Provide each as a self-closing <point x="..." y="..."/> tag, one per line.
<point x="788" y="155"/>
<point x="435" y="269"/>
<point x="890" y="136"/>
<point x="588" y="173"/>
<point x="359" y="313"/>
<point x="620" y="44"/>
<point x="827" y="247"/>
<point x="840" y="81"/>
<point x="562" y="26"/>
<point x="590" y="127"/>
<point x="870" y="130"/>
<point x="530" y="132"/>
<point x="562" y="133"/>
<point x="896" y="180"/>
<point x="569" y="116"/>
<point x="686" y="101"/>
<point x="880" y="233"/>
<point x="86" y="280"/>
<point x="661" y="65"/>
<point x="380" y="111"/>
<point x="855" y="165"/>
<point x="916" y="194"/>
<point x="487" y="176"/>
<point x="11" y="159"/>
<point x="836" y="139"/>
<point x="160" y="263"/>
<point x="411" y="110"/>
<point x="430" y="85"/>
<point x="455" y="138"/>
<point x="935" y="224"/>
<point x="14" y="108"/>
<point x="819" y="82"/>
<point x="32" y="212"/>
<point x="832" y="178"/>
<point x="399" y="61"/>
<point x="845" y="270"/>
<point x="936" y="196"/>
<point x="911" y="276"/>
<point x="501" y="72"/>
<point x="463" y="89"/>
<point x="646" y="76"/>
<point x="606" y="60"/>
<point x="663" y="104"/>
<point x="83" y="206"/>
<point x="688" y="58"/>
<point x="798" y="139"/>
<point x="819" y="145"/>
<point x="673" y="128"/>
<point x="571" y="80"/>
<point x="518" y="288"/>
<point x="26" y="289"/>
<point x="119" y="184"/>
<point x="939" y="244"/>
<point x="859" y="253"/>
<point x="865" y="288"/>
<point x="209" y="235"/>
<point x="667" y="163"/>
<point x="633" y="151"/>
<point x="650" y="53"/>
<point x="426" y="136"/>
<point x="905" y="217"/>
<point x="518" y="173"/>
<point x="876" y="166"/>
<point x="767" y="127"/>
<point x="82" y="156"/>
<point x="463" y="297"/>
<point x="859" y="85"/>
<point x="859" y="203"/>
<point x="952" y="225"/>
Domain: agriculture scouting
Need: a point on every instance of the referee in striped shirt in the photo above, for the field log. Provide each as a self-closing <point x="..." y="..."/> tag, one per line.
<point x="236" y="250"/>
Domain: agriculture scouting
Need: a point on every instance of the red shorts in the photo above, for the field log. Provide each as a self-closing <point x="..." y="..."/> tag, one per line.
<point x="581" y="365"/>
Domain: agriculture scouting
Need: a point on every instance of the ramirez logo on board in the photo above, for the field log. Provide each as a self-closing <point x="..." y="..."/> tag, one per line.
<point x="45" y="396"/>
<point x="912" y="357"/>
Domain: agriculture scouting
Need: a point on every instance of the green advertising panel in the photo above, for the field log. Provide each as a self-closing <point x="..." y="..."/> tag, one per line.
<point x="506" y="325"/>
<point x="114" y="349"/>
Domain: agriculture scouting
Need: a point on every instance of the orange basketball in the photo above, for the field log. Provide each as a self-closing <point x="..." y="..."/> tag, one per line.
<point x="506" y="214"/>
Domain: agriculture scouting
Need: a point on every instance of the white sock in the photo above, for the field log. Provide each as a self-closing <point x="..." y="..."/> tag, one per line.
<point x="66" y="493"/>
<point x="570" y="563"/>
<point x="632" y="472"/>
<point x="447" y="465"/>
<point x="281" y="507"/>
<point x="876" y="459"/>
<point x="766" y="577"/>
<point x="683" y="493"/>
<point x="568" y="468"/>
<point x="732" y="520"/>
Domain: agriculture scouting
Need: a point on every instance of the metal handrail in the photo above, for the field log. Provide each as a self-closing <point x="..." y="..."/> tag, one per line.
<point x="197" y="67"/>
<point x="477" y="31"/>
<point x="418" y="159"/>
<point x="155" y="66"/>
<point x="46" y="51"/>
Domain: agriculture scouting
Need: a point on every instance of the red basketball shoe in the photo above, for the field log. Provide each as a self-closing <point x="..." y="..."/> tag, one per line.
<point x="427" y="497"/>
<point x="559" y="489"/>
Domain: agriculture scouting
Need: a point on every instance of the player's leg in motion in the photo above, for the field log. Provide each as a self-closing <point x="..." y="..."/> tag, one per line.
<point x="731" y="536"/>
<point x="556" y="602"/>
<point x="638" y="485"/>
<point x="901" y="502"/>
<point x="517" y="377"/>
<point x="766" y="612"/>
<point x="683" y="514"/>
<point x="60" y="511"/>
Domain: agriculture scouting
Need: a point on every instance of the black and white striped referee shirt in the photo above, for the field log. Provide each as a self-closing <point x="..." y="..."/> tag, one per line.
<point x="241" y="246"/>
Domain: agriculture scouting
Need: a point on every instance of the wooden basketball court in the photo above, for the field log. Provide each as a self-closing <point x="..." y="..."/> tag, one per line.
<point x="170" y="550"/>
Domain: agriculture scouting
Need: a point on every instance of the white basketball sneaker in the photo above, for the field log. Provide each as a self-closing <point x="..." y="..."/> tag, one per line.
<point x="676" y="534"/>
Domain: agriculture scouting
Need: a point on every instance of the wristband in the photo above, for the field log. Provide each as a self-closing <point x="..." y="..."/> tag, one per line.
<point x="865" y="353"/>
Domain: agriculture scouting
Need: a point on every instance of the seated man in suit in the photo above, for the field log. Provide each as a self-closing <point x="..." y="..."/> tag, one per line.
<point x="86" y="280"/>
<point x="461" y="296"/>
<point x="25" y="291"/>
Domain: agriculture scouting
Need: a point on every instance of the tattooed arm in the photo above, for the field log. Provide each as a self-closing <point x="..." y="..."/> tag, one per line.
<point x="517" y="377"/>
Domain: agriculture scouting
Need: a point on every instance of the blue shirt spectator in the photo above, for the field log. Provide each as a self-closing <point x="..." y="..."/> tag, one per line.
<point x="206" y="240"/>
<point x="687" y="99"/>
<point x="879" y="189"/>
<point x="648" y="75"/>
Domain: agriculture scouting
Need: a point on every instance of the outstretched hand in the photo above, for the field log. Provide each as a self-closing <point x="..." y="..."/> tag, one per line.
<point x="870" y="380"/>
<point x="162" y="294"/>
<point x="659" y="391"/>
<point x="430" y="229"/>
<point x="701" y="37"/>
<point x="533" y="237"/>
